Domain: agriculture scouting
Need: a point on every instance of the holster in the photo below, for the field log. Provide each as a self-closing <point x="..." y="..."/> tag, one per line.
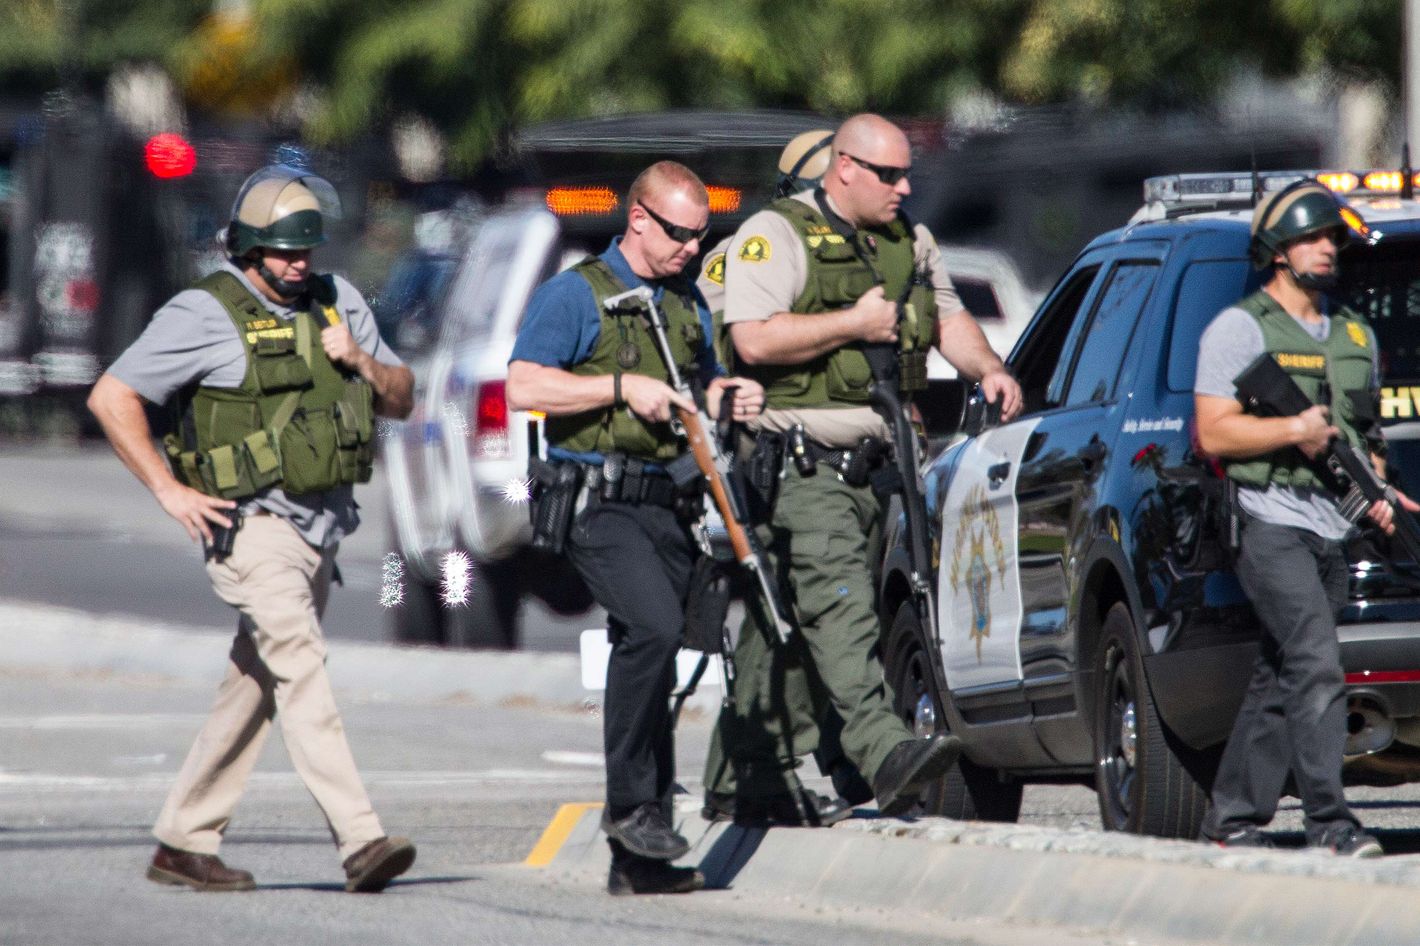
<point x="762" y="459"/>
<point x="706" y="606"/>
<point x="553" y="503"/>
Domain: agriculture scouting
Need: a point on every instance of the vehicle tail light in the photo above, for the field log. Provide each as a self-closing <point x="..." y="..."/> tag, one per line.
<point x="581" y="201"/>
<point x="723" y="200"/>
<point x="490" y="422"/>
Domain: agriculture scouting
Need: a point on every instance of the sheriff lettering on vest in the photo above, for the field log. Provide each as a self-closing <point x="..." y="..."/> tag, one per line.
<point x="275" y="374"/>
<point x="1291" y="562"/>
<point x="808" y="283"/>
<point x="593" y="365"/>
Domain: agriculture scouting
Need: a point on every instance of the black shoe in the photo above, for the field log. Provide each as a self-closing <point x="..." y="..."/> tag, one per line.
<point x="646" y="832"/>
<point x="630" y="875"/>
<point x="1244" y="836"/>
<point x="811" y="811"/>
<point x="909" y="767"/>
<point x="1349" y="841"/>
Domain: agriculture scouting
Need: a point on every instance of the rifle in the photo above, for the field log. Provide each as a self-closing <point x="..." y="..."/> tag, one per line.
<point x="1269" y="390"/>
<point x="714" y="465"/>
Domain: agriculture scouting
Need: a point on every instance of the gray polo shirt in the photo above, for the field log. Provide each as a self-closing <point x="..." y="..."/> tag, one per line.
<point x="1228" y="345"/>
<point x="191" y="340"/>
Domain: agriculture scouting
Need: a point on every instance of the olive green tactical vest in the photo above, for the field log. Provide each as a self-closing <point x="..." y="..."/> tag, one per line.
<point x="1343" y="363"/>
<point x="295" y="422"/>
<point x="626" y="345"/>
<point x="837" y="278"/>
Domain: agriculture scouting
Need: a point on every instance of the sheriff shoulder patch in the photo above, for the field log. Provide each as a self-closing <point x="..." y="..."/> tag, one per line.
<point x="1358" y="334"/>
<point x="754" y="250"/>
<point x="715" y="269"/>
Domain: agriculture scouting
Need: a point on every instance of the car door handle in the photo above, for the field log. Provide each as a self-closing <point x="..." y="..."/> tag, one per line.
<point x="998" y="473"/>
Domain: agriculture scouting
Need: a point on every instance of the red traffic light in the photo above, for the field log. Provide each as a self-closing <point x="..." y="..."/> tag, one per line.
<point x="169" y="155"/>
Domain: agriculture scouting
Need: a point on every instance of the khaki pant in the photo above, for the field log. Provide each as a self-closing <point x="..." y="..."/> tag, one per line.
<point x="279" y="584"/>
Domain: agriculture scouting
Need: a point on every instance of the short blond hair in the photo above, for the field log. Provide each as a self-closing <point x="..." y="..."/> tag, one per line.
<point x="667" y="175"/>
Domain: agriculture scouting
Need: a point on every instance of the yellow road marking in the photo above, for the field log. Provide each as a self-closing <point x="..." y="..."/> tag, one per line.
<point x="557" y="832"/>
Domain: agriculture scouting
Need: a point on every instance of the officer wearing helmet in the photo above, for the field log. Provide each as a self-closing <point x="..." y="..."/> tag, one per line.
<point x="1290" y="562"/>
<point x="274" y="373"/>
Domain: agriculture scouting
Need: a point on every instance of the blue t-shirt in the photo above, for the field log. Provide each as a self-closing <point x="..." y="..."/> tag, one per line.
<point x="564" y="320"/>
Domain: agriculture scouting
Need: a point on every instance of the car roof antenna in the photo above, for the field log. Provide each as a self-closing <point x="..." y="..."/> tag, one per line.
<point x="1252" y="151"/>
<point x="1407" y="173"/>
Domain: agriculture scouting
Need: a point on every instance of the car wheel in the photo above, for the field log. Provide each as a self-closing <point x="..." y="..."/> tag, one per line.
<point x="968" y="792"/>
<point x="416" y="618"/>
<point x="1142" y="783"/>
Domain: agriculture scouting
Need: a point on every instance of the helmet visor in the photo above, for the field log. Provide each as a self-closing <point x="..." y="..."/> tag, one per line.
<point x="282" y="174"/>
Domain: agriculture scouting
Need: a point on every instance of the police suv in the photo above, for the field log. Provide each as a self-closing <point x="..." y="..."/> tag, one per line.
<point x="1089" y="627"/>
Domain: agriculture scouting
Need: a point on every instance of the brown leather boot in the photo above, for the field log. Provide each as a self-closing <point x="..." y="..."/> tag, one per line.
<point x="370" y="869"/>
<point x="198" y="871"/>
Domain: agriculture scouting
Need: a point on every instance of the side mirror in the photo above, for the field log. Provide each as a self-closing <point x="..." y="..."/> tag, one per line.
<point x="979" y="415"/>
<point x="941" y="407"/>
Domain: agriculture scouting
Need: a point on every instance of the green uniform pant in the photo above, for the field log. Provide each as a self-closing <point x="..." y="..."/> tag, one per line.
<point x="824" y="538"/>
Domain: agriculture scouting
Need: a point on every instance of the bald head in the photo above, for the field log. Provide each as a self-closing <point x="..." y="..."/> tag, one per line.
<point x="868" y="179"/>
<point x="868" y="134"/>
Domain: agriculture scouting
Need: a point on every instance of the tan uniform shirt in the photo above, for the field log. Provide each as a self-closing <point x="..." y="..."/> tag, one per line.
<point x="765" y="271"/>
<point x="712" y="275"/>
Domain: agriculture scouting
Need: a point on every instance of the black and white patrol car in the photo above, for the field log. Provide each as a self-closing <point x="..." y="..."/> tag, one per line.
<point x="1089" y="628"/>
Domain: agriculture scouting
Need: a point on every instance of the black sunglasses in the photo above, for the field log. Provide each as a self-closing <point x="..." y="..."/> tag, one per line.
<point x="674" y="230"/>
<point x="886" y="173"/>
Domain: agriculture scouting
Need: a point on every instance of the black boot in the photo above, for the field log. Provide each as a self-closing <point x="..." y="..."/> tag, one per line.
<point x="631" y="875"/>
<point x="909" y="767"/>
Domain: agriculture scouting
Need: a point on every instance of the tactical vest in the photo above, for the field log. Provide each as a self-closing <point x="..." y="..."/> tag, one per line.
<point x="1325" y="371"/>
<point x="626" y="345"/>
<point x="838" y="275"/>
<point x="296" y="421"/>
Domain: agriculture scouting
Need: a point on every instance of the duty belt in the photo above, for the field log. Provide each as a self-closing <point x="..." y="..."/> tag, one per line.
<point x="626" y="480"/>
<point x="853" y="464"/>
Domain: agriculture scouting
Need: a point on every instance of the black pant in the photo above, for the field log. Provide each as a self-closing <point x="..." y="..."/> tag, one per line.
<point x="1293" y="717"/>
<point x="636" y="559"/>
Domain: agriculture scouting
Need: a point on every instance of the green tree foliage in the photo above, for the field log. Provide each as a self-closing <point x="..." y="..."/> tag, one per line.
<point x="477" y="68"/>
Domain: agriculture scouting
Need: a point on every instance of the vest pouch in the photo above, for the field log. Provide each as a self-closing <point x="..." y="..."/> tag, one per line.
<point x="310" y="454"/>
<point x="263" y="463"/>
<point x="182" y="462"/>
<point x="848" y="375"/>
<point x="355" y="414"/>
<point x="277" y="366"/>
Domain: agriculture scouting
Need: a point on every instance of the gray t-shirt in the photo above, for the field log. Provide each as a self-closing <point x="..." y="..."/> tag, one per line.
<point x="1229" y="344"/>
<point x="191" y="340"/>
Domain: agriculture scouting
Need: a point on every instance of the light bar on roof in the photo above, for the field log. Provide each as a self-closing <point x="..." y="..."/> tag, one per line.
<point x="1233" y="187"/>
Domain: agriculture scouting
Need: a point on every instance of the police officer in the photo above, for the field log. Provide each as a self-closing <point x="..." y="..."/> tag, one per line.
<point x="601" y="380"/>
<point x="276" y="373"/>
<point x="808" y="281"/>
<point x="802" y="164"/>
<point x="1291" y="563"/>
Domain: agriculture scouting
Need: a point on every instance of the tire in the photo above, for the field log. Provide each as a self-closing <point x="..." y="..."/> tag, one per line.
<point x="1142" y="782"/>
<point x="968" y="792"/>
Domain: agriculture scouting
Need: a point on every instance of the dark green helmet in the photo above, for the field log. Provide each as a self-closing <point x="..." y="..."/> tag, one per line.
<point x="1296" y="211"/>
<point x="281" y="207"/>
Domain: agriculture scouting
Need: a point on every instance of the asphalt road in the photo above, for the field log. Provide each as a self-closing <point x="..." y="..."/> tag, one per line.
<point x="78" y="530"/>
<point x="85" y="764"/>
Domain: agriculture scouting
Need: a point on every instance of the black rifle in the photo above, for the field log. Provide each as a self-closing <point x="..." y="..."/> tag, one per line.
<point x="1267" y="389"/>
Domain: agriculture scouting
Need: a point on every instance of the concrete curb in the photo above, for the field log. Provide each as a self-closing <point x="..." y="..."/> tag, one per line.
<point x="41" y="638"/>
<point x="1122" y="885"/>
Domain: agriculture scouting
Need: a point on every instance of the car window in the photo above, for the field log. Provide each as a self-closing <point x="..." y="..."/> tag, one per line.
<point x="1382" y="283"/>
<point x="1107" y="333"/>
<point x="978" y="297"/>
<point x="1037" y="357"/>
<point x="1207" y="288"/>
<point x="477" y="290"/>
